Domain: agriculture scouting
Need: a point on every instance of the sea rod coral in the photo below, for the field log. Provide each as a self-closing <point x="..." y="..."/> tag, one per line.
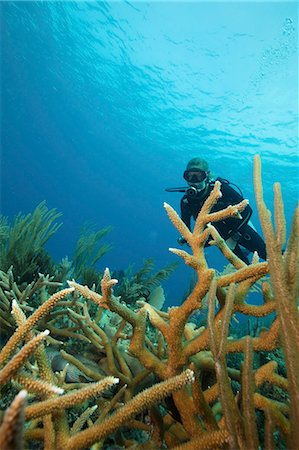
<point x="194" y="397"/>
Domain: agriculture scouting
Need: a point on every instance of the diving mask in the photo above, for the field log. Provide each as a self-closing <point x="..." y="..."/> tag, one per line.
<point x="195" y="176"/>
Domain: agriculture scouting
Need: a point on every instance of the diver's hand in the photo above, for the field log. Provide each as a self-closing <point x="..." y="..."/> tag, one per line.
<point x="181" y="240"/>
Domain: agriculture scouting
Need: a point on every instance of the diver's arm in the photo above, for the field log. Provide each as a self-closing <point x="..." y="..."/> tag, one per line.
<point x="185" y="212"/>
<point x="233" y="197"/>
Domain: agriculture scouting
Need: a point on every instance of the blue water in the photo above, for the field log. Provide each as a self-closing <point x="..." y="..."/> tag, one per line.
<point x="103" y="104"/>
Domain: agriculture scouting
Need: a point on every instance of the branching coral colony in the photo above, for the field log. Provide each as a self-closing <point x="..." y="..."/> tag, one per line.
<point x="147" y="345"/>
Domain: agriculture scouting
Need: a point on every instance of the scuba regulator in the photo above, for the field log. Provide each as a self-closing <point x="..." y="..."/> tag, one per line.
<point x="191" y="192"/>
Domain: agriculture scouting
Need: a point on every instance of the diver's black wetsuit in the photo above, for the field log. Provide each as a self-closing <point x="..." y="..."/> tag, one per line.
<point x="238" y="229"/>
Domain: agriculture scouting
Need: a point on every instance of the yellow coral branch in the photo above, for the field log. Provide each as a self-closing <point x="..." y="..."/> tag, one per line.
<point x="206" y="441"/>
<point x="19" y="359"/>
<point x="37" y="386"/>
<point x="178" y="223"/>
<point x="66" y="401"/>
<point x="142" y="401"/>
<point x="21" y="332"/>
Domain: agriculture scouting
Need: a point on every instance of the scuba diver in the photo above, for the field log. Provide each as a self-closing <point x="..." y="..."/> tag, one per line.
<point x="239" y="234"/>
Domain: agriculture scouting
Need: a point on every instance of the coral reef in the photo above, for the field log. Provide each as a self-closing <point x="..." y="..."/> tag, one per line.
<point x="154" y="371"/>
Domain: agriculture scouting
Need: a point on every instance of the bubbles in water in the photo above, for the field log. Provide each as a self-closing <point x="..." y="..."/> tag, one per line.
<point x="288" y="27"/>
<point x="275" y="56"/>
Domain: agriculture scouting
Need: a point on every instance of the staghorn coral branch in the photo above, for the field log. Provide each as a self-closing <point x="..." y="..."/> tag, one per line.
<point x="21" y="332"/>
<point x="112" y="404"/>
<point x="265" y="404"/>
<point x="190" y="260"/>
<point x="68" y="333"/>
<point x="34" y="434"/>
<point x="108" y="302"/>
<point x="140" y="402"/>
<point x="267" y="373"/>
<point x="37" y="386"/>
<point x="254" y="310"/>
<point x="19" y="359"/>
<point x="118" y="333"/>
<point x="226" y="251"/>
<point x="255" y="271"/>
<point x="230" y="211"/>
<point x="154" y="317"/>
<point x="200" y="240"/>
<point x="138" y="320"/>
<point x="178" y="223"/>
<point x="203" y="217"/>
<point x="80" y="421"/>
<point x="266" y="341"/>
<point x="19" y="316"/>
<point x="206" y="441"/>
<point x="107" y="284"/>
<point x="110" y="351"/>
<point x="138" y="348"/>
<point x="125" y="369"/>
<point x="66" y="401"/>
<point x="178" y="316"/>
<point x="88" y="293"/>
<point x="45" y="386"/>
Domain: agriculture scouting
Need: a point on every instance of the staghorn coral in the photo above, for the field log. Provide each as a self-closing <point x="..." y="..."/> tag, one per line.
<point x="172" y="326"/>
<point x="52" y="409"/>
<point x="213" y="405"/>
<point x="24" y="294"/>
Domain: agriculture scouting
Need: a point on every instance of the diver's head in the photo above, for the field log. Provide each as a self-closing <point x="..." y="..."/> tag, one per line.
<point x="197" y="174"/>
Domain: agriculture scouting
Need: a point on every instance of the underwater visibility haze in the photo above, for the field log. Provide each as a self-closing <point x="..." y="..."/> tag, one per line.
<point x="104" y="103"/>
<point x="102" y="106"/>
